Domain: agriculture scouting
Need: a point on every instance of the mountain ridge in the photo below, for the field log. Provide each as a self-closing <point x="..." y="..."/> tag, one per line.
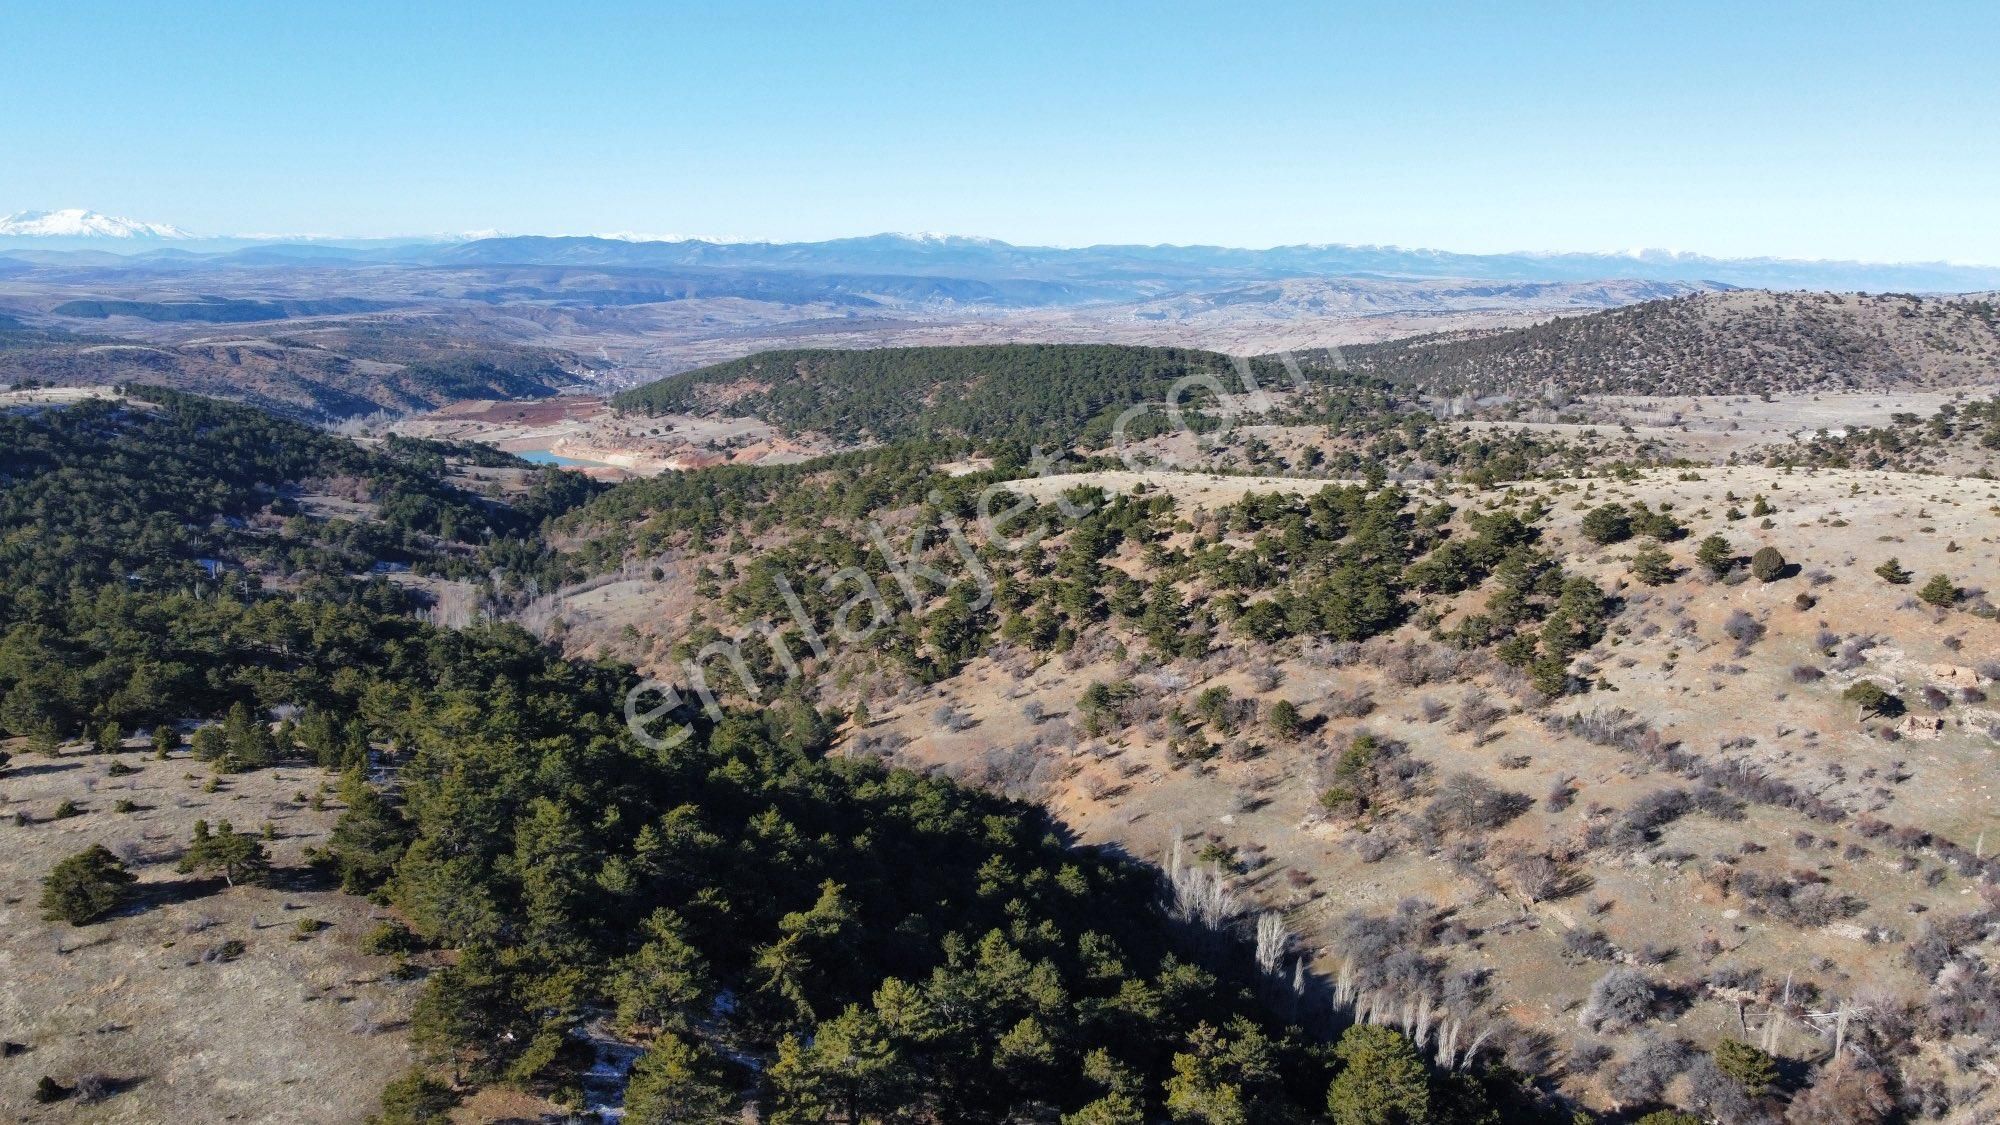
<point x="988" y="258"/>
<point x="77" y="222"/>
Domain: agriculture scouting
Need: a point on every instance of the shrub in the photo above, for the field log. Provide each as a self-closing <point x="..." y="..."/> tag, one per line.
<point x="1651" y="813"/>
<point x="1476" y="713"/>
<point x="1621" y="999"/>
<point x="1845" y="1091"/>
<point x="1285" y="720"/>
<point x="1536" y="875"/>
<point x="1354" y="703"/>
<point x="1560" y="796"/>
<point x="1743" y="628"/>
<point x="1715" y="1095"/>
<point x="1607" y="524"/>
<point x="1767" y="565"/>
<point x="1754" y="1070"/>
<point x="1266" y="677"/>
<point x="1645" y="1075"/>
<point x="1715" y="555"/>
<point x="1660" y="525"/>
<point x="1939" y="591"/>
<point x="1469" y="803"/>
<point x="1588" y="1058"/>
<point x="1652" y="566"/>
<point x="85" y="887"/>
<point x="1893" y="573"/>
<point x="1373" y="848"/>
<point x="1718" y="803"/>
<point x="92" y="1087"/>
<point x="1341" y="800"/>
<point x="414" y="1099"/>
<point x="229" y="950"/>
<point x="1587" y="945"/>
<point x="1872" y="699"/>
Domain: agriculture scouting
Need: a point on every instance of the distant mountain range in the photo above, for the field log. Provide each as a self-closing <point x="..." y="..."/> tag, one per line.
<point x="1107" y="272"/>
<point x="79" y="223"/>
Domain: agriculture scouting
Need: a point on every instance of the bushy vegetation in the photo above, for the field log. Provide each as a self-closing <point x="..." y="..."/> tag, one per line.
<point x="1940" y="591"/>
<point x="85" y="887"/>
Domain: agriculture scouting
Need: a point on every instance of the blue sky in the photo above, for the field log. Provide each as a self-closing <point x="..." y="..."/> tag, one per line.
<point x="1825" y="130"/>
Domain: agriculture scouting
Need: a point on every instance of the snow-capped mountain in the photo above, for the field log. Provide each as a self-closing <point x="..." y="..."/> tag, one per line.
<point x="1108" y="271"/>
<point x="75" y="222"/>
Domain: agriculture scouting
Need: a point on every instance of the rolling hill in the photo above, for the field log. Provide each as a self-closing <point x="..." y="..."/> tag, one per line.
<point x="333" y="375"/>
<point x="1026" y="392"/>
<point x="1717" y="343"/>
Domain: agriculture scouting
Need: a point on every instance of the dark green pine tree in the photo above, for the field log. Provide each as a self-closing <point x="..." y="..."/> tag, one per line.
<point x="85" y="887"/>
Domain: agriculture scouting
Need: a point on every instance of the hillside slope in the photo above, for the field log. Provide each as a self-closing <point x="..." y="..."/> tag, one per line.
<point x="747" y="916"/>
<point x="1027" y="392"/>
<point x="1715" y="343"/>
<point x="1614" y="765"/>
<point x="324" y="379"/>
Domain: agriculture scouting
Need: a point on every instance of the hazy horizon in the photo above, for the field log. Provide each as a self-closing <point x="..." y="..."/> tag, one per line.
<point x="140" y="245"/>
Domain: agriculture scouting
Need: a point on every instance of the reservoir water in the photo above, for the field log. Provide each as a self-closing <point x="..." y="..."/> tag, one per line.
<point x="544" y="457"/>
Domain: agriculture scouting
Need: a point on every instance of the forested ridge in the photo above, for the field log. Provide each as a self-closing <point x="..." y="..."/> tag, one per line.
<point x="837" y="940"/>
<point x="1052" y="394"/>
<point x="1717" y="343"/>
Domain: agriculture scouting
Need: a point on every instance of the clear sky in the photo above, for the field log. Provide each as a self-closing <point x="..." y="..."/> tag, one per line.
<point x="1822" y="130"/>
